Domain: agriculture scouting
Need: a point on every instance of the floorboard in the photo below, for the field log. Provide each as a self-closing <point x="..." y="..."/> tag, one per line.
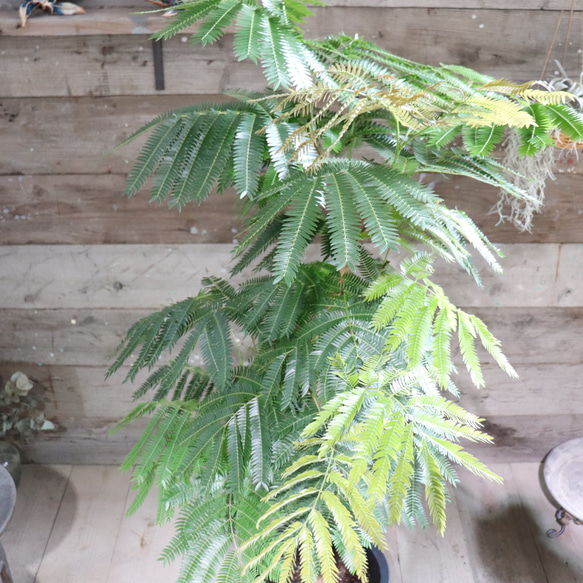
<point x="83" y="539"/>
<point x="40" y="495"/>
<point x="562" y="558"/>
<point x="425" y="555"/>
<point x="69" y="526"/>
<point x="139" y="545"/>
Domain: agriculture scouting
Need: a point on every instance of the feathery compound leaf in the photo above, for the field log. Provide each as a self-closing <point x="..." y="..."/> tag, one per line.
<point x="435" y="492"/>
<point x="324" y="548"/>
<point x="567" y="119"/>
<point x="445" y="136"/>
<point x="189" y="14"/>
<point x="152" y="154"/>
<point x="298" y="229"/>
<point x="248" y="150"/>
<point x="441" y="349"/>
<point x="421" y="329"/>
<point x="492" y="345"/>
<point x="535" y="136"/>
<point x="480" y="141"/>
<point x="466" y="334"/>
<point x="260" y="445"/>
<point x="273" y="36"/>
<point x="215" y="152"/>
<point x="246" y="44"/>
<point x="216" y="348"/>
<point x="343" y="223"/>
<point x="378" y="220"/>
<point x="213" y="27"/>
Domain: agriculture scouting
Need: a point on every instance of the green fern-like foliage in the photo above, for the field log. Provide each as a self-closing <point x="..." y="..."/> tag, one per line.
<point x="339" y="418"/>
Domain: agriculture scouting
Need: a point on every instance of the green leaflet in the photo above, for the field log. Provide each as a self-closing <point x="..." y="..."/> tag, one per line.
<point x="444" y="136"/>
<point x="567" y="120"/>
<point x="216" y="347"/>
<point x="247" y="34"/>
<point x="343" y="223"/>
<point x="535" y="137"/>
<point x="187" y="16"/>
<point x="248" y="149"/>
<point x="298" y="229"/>
<point x="152" y="154"/>
<point x="480" y="141"/>
<point x="273" y="41"/>
<point x="466" y="335"/>
<point x="213" y="27"/>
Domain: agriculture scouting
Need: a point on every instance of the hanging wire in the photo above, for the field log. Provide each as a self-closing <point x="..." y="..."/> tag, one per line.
<point x="553" y="41"/>
<point x="568" y="32"/>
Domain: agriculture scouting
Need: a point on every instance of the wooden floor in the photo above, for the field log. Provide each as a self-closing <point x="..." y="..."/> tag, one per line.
<point x="69" y="527"/>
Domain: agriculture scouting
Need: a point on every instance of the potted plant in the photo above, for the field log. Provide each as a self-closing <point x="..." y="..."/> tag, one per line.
<point x="335" y="424"/>
<point x="21" y="415"/>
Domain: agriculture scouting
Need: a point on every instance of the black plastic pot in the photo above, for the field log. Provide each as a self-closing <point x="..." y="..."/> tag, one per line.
<point x="378" y="568"/>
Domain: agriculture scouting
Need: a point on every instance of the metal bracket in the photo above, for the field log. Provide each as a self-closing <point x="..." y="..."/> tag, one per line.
<point x="563" y="518"/>
<point x="158" y="65"/>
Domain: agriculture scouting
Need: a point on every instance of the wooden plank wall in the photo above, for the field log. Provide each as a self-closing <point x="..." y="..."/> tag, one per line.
<point x="79" y="263"/>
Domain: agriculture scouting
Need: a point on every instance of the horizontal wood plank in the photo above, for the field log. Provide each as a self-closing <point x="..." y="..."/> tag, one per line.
<point x="152" y="276"/>
<point x="534" y="275"/>
<point x="80" y="397"/>
<point x="89" y="209"/>
<point x="67" y="136"/>
<point x="522" y="438"/>
<point x="76" y="136"/>
<point x="88" y="336"/>
<point x="552" y="389"/>
<point x="560" y="221"/>
<point x="122" y="64"/>
<point x="126" y="276"/>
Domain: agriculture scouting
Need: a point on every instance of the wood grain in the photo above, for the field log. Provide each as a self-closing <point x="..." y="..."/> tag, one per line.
<point x="121" y="64"/>
<point x="84" y="536"/>
<point x="139" y="544"/>
<point x="38" y="501"/>
<point x="426" y="555"/>
<point x="552" y="389"/>
<point x="518" y="438"/>
<point x="534" y="275"/>
<point x="80" y="398"/>
<point x="41" y="338"/>
<point x="496" y="521"/>
<point x="562" y="558"/>
<point x="76" y="136"/>
<point x="152" y="276"/>
<point x="524" y="438"/>
<point x="67" y="136"/>
<point x="89" y="209"/>
<point x="112" y="276"/>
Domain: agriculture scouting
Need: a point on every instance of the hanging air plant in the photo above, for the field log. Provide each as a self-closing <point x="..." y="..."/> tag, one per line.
<point x="531" y="172"/>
